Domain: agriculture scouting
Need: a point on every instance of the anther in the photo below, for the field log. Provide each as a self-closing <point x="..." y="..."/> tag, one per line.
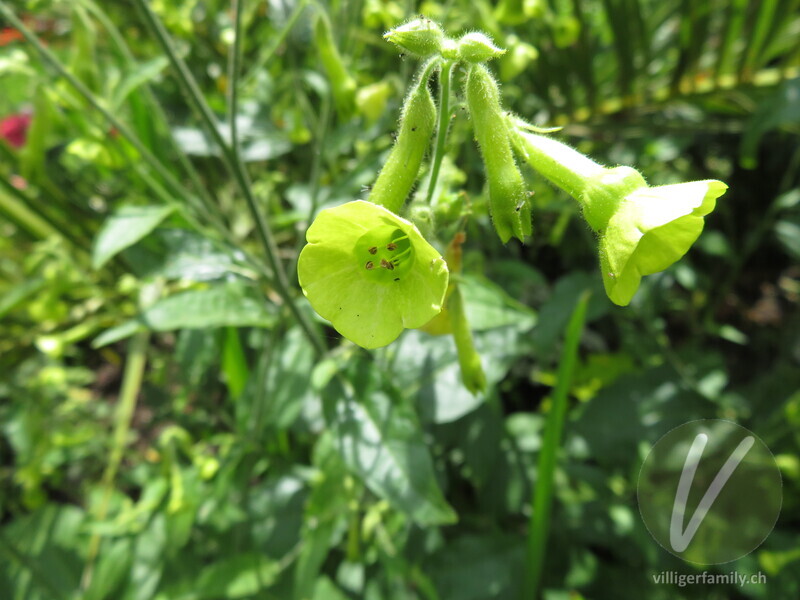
<point x="373" y="250"/>
<point x="386" y="264"/>
<point x="391" y="247"/>
<point x="369" y="266"/>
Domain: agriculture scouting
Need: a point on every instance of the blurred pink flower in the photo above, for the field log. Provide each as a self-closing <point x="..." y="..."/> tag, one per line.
<point x="14" y="129"/>
<point x="8" y="35"/>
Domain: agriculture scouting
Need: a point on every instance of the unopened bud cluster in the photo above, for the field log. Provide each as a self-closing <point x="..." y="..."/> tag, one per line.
<point x="423" y="37"/>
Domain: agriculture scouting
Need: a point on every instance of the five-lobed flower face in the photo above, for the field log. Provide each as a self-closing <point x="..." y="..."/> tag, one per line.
<point x="371" y="273"/>
<point x="650" y="229"/>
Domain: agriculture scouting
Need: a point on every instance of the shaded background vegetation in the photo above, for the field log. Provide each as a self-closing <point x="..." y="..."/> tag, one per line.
<point x="168" y="431"/>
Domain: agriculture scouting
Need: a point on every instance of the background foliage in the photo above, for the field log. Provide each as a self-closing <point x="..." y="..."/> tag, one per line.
<point x="169" y="431"/>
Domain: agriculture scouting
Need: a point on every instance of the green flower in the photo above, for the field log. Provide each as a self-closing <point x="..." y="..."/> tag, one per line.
<point x="642" y="229"/>
<point x="651" y="228"/>
<point x="371" y="273"/>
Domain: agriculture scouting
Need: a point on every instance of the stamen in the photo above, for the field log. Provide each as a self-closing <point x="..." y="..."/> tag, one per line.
<point x="373" y="250"/>
<point x="386" y="264"/>
<point x="369" y="266"/>
<point x="397" y="258"/>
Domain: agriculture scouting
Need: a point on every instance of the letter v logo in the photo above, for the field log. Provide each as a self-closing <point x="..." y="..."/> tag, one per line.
<point x="680" y="539"/>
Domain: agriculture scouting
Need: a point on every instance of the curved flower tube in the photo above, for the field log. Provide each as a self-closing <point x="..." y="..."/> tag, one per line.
<point x="642" y="229"/>
<point x="371" y="273"/>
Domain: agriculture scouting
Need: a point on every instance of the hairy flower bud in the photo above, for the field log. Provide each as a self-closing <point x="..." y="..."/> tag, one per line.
<point x="475" y="47"/>
<point x="421" y="37"/>
<point x="508" y="196"/>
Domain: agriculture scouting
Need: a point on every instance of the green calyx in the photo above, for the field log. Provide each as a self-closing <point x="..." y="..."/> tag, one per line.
<point x="642" y="229"/>
<point x="371" y="273"/>
<point x="508" y="195"/>
<point x="603" y="192"/>
<point x="420" y="36"/>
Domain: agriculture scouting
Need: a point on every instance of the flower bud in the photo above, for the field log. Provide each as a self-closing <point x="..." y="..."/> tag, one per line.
<point x="343" y="86"/>
<point x="417" y="123"/>
<point x="371" y="100"/>
<point x="421" y="37"/>
<point x="475" y="47"/>
<point x="518" y="58"/>
<point x="508" y="196"/>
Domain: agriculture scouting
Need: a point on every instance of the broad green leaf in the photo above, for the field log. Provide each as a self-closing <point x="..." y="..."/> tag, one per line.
<point x="381" y="441"/>
<point x="179" y="254"/>
<point x="554" y="314"/>
<point x="113" y="564"/>
<point x="232" y="304"/>
<point x="238" y="576"/>
<point x="125" y="227"/>
<point x="325" y="516"/>
<point x="477" y="568"/>
<point x="18" y="294"/>
<point x="488" y="305"/>
<point x="788" y="233"/>
<point x="426" y="367"/>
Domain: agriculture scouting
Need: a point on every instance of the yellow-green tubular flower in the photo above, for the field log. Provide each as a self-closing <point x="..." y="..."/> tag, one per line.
<point x="343" y="86"/>
<point x="417" y="123"/>
<point x="421" y="37"/>
<point x="642" y="229"/>
<point x="508" y="195"/>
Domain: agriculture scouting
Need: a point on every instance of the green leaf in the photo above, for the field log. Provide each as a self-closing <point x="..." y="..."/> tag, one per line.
<point x="232" y="304"/>
<point x="113" y="564"/>
<point x="19" y="293"/>
<point x="489" y="306"/>
<point x="788" y="233"/>
<point x="179" y="254"/>
<point x="125" y="227"/>
<point x="381" y="441"/>
<point x="325" y="519"/>
<point x="234" y="363"/>
<point x="477" y="568"/>
<point x="139" y="76"/>
<point x="427" y="367"/>
<point x="235" y="577"/>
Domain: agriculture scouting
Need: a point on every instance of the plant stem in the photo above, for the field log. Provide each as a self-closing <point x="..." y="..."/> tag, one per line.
<point x="234" y="56"/>
<point x="235" y="167"/>
<point x="543" y="491"/>
<point x="444" y="123"/>
<point x="131" y="383"/>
